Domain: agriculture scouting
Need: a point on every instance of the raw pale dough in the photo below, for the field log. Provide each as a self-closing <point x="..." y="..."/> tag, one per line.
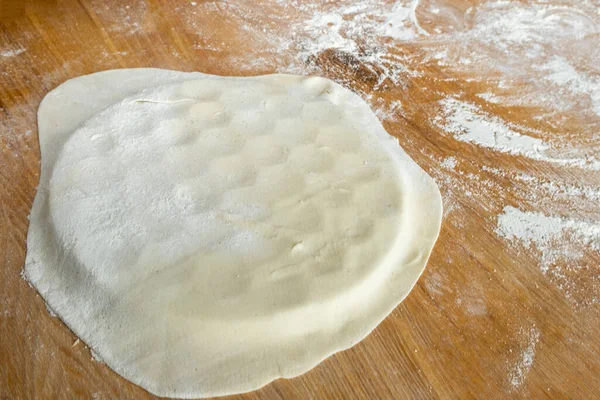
<point x="206" y="235"/>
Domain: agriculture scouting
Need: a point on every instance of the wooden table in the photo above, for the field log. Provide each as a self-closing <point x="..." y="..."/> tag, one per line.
<point x="498" y="313"/>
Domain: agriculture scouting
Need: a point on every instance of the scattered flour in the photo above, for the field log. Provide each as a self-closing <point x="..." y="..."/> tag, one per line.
<point x="551" y="195"/>
<point x="521" y="369"/>
<point x="560" y="245"/>
<point x="363" y="32"/>
<point x="561" y="73"/>
<point x="472" y="305"/>
<point x="520" y="27"/>
<point x="11" y="53"/>
<point x="400" y="22"/>
<point x="435" y="284"/>
<point x="555" y="191"/>
<point x="384" y="111"/>
<point x="525" y="45"/>
<point x="449" y="163"/>
<point x="469" y="123"/>
<point x="326" y="33"/>
<point x="128" y="18"/>
<point x="358" y="29"/>
<point x="490" y="97"/>
<point x="476" y="307"/>
<point x="556" y="238"/>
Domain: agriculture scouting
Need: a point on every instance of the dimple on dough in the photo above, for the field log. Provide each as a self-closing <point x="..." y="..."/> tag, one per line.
<point x="206" y="235"/>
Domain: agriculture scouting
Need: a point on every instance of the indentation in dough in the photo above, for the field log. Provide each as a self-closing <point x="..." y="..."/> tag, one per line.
<point x="243" y="98"/>
<point x="309" y="158"/>
<point x="252" y="122"/>
<point x="284" y="106"/>
<point x="287" y="134"/>
<point x="172" y="132"/>
<point x="102" y="142"/>
<point x="339" y="138"/>
<point x="208" y="115"/>
<point x="234" y="170"/>
<point x="278" y="182"/>
<point x="194" y="196"/>
<point x="262" y="150"/>
<point x="211" y="143"/>
<point x="323" y="112"/>
<point x="300" y="217"/>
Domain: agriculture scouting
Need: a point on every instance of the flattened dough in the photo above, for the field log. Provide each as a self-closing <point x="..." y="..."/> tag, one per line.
<point x="206" y="235"/>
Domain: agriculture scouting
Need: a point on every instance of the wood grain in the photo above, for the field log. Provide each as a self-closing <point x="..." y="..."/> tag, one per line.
<point x="482" y="302"/>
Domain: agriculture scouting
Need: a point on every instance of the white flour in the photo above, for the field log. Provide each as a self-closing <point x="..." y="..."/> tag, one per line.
<point x="469" y="123"/>
<point x="359" y="30"/>
<point x="526" y="45"/>
<point x="524" y="364"/>
<point x="449" y="163"/>
<point x="490" y="97"/>
<point x="555" y="238"/>
<point x="384" y="111"/>
<point x="130" y="18"/>
<point x="555" y="191"/>
<point x="561" y="73"/>
<point x="11" y="53"/>
<point x="557" y="244"/>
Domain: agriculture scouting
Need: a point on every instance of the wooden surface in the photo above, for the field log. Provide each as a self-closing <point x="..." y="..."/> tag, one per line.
<point x="492" y="316"/>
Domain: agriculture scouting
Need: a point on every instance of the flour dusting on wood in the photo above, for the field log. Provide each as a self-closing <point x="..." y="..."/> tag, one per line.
<point x="526" y="358"/>
<point x="560" y="244"/>
<point x="469" y="123"/>
<point x="554" y="237"/>
<point x="11" y="53"/>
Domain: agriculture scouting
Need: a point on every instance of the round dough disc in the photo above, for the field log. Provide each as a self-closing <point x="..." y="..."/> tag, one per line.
<point x="206" y="235"/>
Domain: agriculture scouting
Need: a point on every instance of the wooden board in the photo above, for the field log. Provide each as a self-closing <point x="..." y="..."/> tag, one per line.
<point x="506" y="307"/>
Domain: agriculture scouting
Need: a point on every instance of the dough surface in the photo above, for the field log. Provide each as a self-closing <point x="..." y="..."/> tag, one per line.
<point x="206" y="235"/>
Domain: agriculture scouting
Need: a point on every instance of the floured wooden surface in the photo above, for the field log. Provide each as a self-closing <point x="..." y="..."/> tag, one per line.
<point x="498" y="101"/>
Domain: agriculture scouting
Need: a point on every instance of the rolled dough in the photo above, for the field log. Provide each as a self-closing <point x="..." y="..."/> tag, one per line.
<point x="206" y="235"/>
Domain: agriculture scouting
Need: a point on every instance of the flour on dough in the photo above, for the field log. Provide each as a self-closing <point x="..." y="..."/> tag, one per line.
<point x="206" y="235"/>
